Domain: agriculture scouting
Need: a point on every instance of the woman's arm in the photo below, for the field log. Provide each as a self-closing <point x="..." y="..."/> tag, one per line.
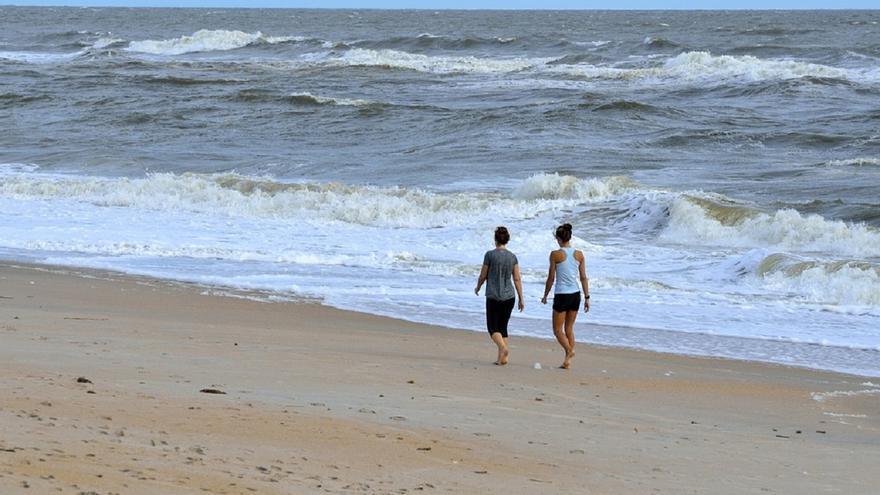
<point x="551" y="276"/>
<point x="585" y="282"/>
<point x="517" y="282"/>
<point x="484" y="274"/>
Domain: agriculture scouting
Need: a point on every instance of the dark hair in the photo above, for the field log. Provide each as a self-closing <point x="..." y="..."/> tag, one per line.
<point x="563" y="232"/>
<point x="502" y="236"/>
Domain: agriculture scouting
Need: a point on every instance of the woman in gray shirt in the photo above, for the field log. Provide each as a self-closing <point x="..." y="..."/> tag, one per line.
<point x="499" y="267"/>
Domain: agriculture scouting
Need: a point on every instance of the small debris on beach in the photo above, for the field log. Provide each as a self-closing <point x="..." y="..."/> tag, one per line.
<point x="481" y="472"/>
<point x="83" y="379"/>
<point x="410" y="381"/>
<point x="398" y="418"/>
<point x="782" y="436"/>
<point x="212" y="391"/>
<point x="425" y="449"/>
<point x="821" y="431"/>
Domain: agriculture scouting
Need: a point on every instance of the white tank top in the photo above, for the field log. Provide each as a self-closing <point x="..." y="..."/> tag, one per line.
<point x="567" y="273"/>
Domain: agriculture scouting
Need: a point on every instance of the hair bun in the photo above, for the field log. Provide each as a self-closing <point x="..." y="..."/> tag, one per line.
<point x="502" y="236"/>
<point x="563" y="232"/>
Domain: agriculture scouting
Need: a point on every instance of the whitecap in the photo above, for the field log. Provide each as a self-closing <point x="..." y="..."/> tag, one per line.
<point x="325" y="100"/>
<point x="244" y="196"/>
<point x="395" y="59"/>
<point x="206" y="41"/>
<point x="39" y="57"/>
<point x="854" y="162"/>
<point x="690" y="221"/>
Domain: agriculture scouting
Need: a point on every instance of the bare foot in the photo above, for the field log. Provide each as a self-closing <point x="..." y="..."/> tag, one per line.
<point x="503" y="359"/>
<point x="567" y="363"/>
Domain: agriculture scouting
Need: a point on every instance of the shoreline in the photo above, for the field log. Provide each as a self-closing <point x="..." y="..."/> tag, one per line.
<point x="324" y="400"/>
<point x="269" y="296"/>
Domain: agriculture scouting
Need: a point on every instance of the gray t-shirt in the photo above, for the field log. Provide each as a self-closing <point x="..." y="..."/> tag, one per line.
<point x="499" y="284"/>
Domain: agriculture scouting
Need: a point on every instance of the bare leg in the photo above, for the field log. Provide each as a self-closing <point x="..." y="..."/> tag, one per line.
<point x="570" y="317"/>
<point x="503" y="351"/>
<point x="558" y="322"/>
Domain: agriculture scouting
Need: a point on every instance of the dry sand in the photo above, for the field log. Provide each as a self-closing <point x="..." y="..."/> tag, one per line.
<point x="319" y="400"/>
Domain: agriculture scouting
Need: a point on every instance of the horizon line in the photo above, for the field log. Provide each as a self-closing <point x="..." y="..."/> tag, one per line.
<point x="525" y="9"/>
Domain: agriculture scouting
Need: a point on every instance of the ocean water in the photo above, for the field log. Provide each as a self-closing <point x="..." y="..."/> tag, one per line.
<point x="721" y="169"/>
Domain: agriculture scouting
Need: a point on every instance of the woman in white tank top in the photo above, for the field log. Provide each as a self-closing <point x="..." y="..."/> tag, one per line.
<point x="567" y="267"/>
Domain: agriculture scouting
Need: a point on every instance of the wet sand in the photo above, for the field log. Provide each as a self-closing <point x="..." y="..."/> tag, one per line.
<point x="104" y="383"/>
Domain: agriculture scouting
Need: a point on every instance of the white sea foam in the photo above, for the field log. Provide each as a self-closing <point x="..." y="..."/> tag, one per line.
<point x="105" y="42"/>
<point x="855" y="162"/>
<point x="206" y="41"/>
<point x="848" y="283"/>
<point x="786" y="228"/>
<point x="844" y="415"/>
<point x="699" y="65"/>
<point x="325" y="100"/>
<point x="703" y="67"/>
<point x="824" y="396"/>
<point x="39" y="57"/>
<point x="431" y="64"/>
<point x="17" y="168"/>
<point x="236" y="195"/>
<point x="596" y="43"/>
<point x="555" y="186"/>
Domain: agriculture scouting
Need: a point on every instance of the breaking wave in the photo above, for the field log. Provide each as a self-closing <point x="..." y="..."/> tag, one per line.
<point x="555" y="186"/>
<point x="310" y="99"/>
<point x="394" y="59"/>
<point x="243" y="196"/>
<point x="699" y="66"/>
<point x="39" y="57"/>
<point x="206" y="40"/>
<point x="258" y="95"/>
<point x="693" y="219"/>
<point x="837" y="282"/>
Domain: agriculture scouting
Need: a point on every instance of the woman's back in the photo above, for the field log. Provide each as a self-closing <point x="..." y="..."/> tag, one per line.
<point x="567" y="273"/>
<point x="499" y="283"/>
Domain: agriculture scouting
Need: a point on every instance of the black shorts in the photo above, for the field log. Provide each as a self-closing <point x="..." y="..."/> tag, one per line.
<point x="567" y="302"/>
<point x="498" y="314"/>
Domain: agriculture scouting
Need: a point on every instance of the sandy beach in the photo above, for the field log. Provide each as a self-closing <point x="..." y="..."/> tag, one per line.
<point x="103" y="381"/>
